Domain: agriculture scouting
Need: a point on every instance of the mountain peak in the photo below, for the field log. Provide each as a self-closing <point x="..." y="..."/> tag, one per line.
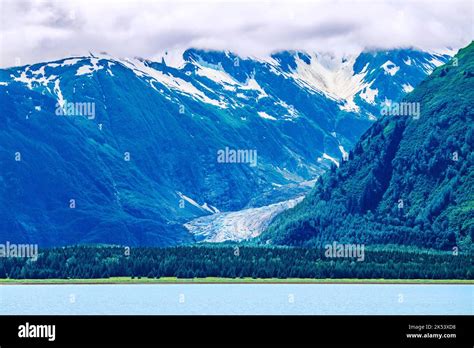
<point x="408" y="178"/>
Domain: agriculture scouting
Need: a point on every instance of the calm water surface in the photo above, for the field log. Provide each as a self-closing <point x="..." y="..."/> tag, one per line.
<point x="237" y="299"/>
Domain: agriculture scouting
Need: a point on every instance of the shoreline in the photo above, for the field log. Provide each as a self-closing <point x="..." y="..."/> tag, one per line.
<point x="176" y="281"/>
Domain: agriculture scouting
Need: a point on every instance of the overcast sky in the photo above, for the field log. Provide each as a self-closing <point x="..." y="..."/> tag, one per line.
<point x="41" y="30"/>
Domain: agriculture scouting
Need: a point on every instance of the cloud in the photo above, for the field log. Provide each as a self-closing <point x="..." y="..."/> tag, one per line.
<point x="41" y="30"/>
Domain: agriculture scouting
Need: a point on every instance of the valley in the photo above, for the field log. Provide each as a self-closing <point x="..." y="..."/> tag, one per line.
<point x="156" y="130"/>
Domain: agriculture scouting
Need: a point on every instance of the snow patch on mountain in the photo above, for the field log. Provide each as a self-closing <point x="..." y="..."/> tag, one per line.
<point x="263" y="114"/>
<point x="292" y="112"/>
<point x="216" y="74"/>
<point x="59" y="93"/>
<point x="89" y="69"/>
<point x="407" y="88"/>
<point x="372" y="117"/>
<point x="252" y="85"/>
<point x="349" y="106"/>
<point x="344" y="153"/>
<point x="327" y="157"/>
<point x="37" y="77"/>
<point x="333" y="76"/>
<point x="109" y="68"/>
<point x="205" y="206"/>
<point x="71" y="61"/>
<point x="173" y="58"/>
<point x="436" y="61"/>
<point x="143" y="70"/>
<point x="390" y="68"/>
<point x="369" y="95"/>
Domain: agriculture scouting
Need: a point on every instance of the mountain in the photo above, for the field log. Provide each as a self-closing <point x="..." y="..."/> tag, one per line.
<point x="98" y="149"/>
<point x="409" y="180"/>
<point x="361" y="83"/>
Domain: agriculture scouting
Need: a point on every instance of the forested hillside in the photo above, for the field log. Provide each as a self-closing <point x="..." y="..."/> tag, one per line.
<point x="409" y="180"/>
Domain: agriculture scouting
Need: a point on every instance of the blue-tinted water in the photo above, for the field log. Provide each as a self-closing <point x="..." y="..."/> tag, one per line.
<point x="237" y="299"/>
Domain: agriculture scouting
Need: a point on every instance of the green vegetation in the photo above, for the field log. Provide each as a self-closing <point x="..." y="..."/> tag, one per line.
<point x="188" y="262"/>
<point x="215" y="280"/>
<point x="409" y="181"/>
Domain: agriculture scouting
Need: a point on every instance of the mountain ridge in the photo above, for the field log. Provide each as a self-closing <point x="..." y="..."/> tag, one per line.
<point x="153" y="140"/>
<point x="408" y="179"/>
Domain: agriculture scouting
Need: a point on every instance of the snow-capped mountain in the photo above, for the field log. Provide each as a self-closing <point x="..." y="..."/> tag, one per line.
<point x="104" y="149"/>
<point x="361" y="83"/>
<point x="409" y="181"/>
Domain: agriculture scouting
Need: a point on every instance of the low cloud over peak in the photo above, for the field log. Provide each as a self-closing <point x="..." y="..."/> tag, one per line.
<point x="40" y="30"/>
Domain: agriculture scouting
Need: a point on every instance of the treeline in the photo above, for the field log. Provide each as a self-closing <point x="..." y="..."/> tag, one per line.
<point x="234" y="262"/>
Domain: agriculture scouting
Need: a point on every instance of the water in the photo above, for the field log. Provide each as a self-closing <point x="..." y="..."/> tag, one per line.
<point x="237" y="299"/>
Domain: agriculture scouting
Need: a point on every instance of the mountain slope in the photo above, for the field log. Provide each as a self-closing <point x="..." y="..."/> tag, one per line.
<point x="145" y="162"/>
<point x="409" y="179"/>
